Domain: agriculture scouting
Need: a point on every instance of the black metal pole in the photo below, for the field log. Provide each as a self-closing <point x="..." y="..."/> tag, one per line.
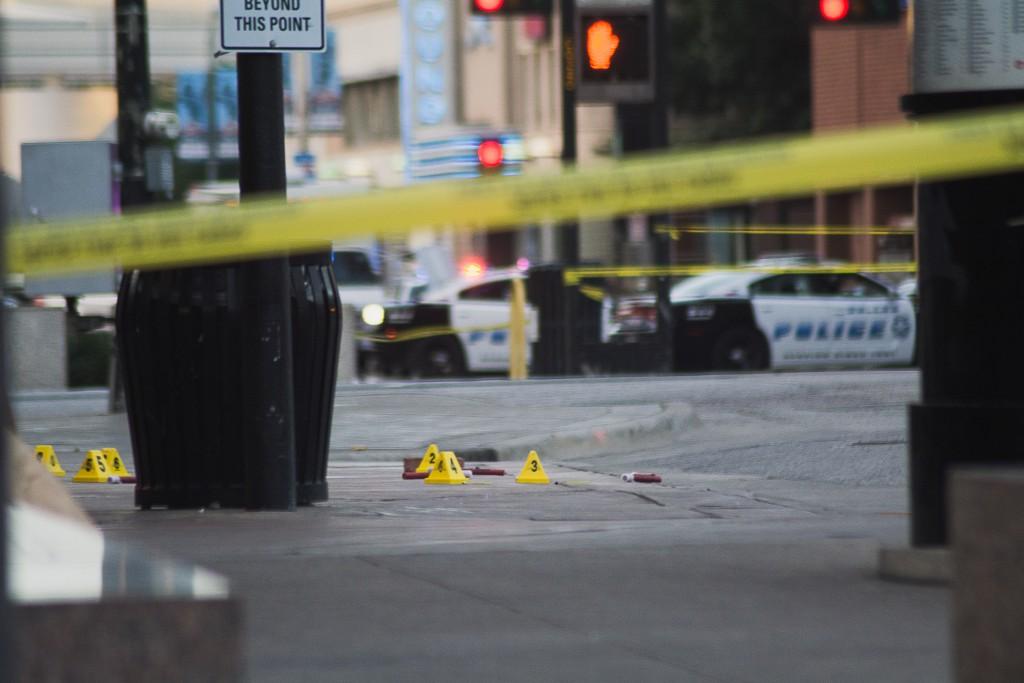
<point x="659" y="127"/>
<point x="133" y="101"/>
<point x="212" y="132"/>
<point x="133" y="98"/>
<point x="268" y="408"/>
<point x="570" y="237"/>
<point x="644" y="127"/>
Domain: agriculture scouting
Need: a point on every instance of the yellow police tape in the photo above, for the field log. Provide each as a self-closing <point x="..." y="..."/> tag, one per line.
<point x="573" y="276"/>
<point x="592" y="293"/>
<point x="940" y="148"/>
<point x="426" y="332"/>
<point x="675" y="232"/>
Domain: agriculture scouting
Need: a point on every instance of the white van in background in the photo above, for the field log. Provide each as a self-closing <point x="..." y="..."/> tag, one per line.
<point x="359" y="284"/>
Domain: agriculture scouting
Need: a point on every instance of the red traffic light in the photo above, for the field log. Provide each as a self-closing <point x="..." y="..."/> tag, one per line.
<point x="850" y="12"/>
<point x="511" y="8"/>
<point x="490" y="153"/>
<point x="488" y="6"/>
<point x="834" y="10"/>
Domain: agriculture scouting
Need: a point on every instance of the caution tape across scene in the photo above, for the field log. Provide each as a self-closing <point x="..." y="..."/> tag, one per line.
<point x="941" y="148"/>
<point x="573" y="276"/>
<point x="824" y="230"/>
<point x="429" y="331"/>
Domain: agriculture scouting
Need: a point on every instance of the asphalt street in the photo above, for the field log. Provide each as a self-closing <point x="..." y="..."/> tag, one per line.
<point x="841" y="427"/>
<point x="754" y="560"/>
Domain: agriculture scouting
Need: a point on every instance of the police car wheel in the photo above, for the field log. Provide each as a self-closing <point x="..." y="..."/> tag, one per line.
<point x="740" y="349"/>
<point x="439" y="359"/>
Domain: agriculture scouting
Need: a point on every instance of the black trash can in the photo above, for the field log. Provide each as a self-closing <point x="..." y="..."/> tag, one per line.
<point x="179" y="335"/>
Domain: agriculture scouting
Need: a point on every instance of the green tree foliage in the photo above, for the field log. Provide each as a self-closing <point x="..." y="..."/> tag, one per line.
<point x="739" y="67"/>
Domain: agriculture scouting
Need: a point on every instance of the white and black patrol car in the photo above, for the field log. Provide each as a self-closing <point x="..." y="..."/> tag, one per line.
<point x="756" y="320"/>
<point x="457" y="328"/>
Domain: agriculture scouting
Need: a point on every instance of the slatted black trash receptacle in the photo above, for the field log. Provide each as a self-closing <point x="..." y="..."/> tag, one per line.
<point x="546" y="291"/>
<point x="179" y="335"/>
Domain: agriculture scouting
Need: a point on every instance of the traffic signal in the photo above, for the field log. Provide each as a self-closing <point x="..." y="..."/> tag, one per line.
<point x="510" y="7"/>
<point x="491" y="155"/>
<point x="842" y="12"/>
<point x="467" y="154"/>
<point x="490" y="152"/>
<point x="616" y="55"/>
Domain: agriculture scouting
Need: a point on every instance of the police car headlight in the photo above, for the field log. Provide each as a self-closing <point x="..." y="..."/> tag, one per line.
<point x="372" y="314"/>
<point x="700" y="312"/>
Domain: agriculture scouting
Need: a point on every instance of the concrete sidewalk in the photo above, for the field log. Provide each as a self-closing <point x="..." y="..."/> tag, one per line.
<point x="702" y="578"/>
<point x="705" y="577"/>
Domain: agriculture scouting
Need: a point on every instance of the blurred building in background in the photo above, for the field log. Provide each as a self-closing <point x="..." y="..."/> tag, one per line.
<point x="58" y="60"/>
<point x="858" y="75"/>
<point x="347" y="127"/>
<point x="490" y="77"/>
<point x="344" y="117"/>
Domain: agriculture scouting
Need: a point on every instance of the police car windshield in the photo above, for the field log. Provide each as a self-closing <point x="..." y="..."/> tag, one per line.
<point x="703" y="285"/>
<point x="353" y="268"/>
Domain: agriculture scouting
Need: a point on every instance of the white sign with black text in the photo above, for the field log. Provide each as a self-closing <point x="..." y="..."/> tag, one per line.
<point x="975" y="45"/>
<point x="272" y="25"/>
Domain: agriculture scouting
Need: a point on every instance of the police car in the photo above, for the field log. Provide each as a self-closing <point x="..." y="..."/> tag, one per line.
<point x="457" y="328"/>
<point x="757" y="320"/>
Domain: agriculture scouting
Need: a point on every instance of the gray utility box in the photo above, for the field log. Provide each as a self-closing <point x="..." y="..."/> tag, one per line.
<point x="61" y="180"/>
<point x="36" y="347"/>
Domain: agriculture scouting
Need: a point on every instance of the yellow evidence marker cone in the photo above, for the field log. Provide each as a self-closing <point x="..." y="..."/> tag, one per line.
<point x="94" y="469"/>
<point x="47" y="457"/>
<point x="114" y="463"/>
<point x="430" y="458"/>
<point x="447" y="471"/>
<point x="533" y="472"/>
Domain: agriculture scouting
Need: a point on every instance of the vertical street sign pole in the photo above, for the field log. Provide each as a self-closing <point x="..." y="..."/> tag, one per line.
<point x="133" y="98"/>
<point x="133" y="102"/>
<point x="570" y="242"/>
<point x="659" y="127"/>
<point x="212" y="134"/>
<point x="643" y="126"/>
<point x="269" y="419"/>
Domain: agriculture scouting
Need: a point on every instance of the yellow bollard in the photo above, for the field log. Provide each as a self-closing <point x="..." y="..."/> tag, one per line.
<point x="517" y="331"/>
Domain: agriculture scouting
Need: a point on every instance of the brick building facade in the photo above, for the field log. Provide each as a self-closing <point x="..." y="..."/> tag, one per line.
<point x="858" y="74"/>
